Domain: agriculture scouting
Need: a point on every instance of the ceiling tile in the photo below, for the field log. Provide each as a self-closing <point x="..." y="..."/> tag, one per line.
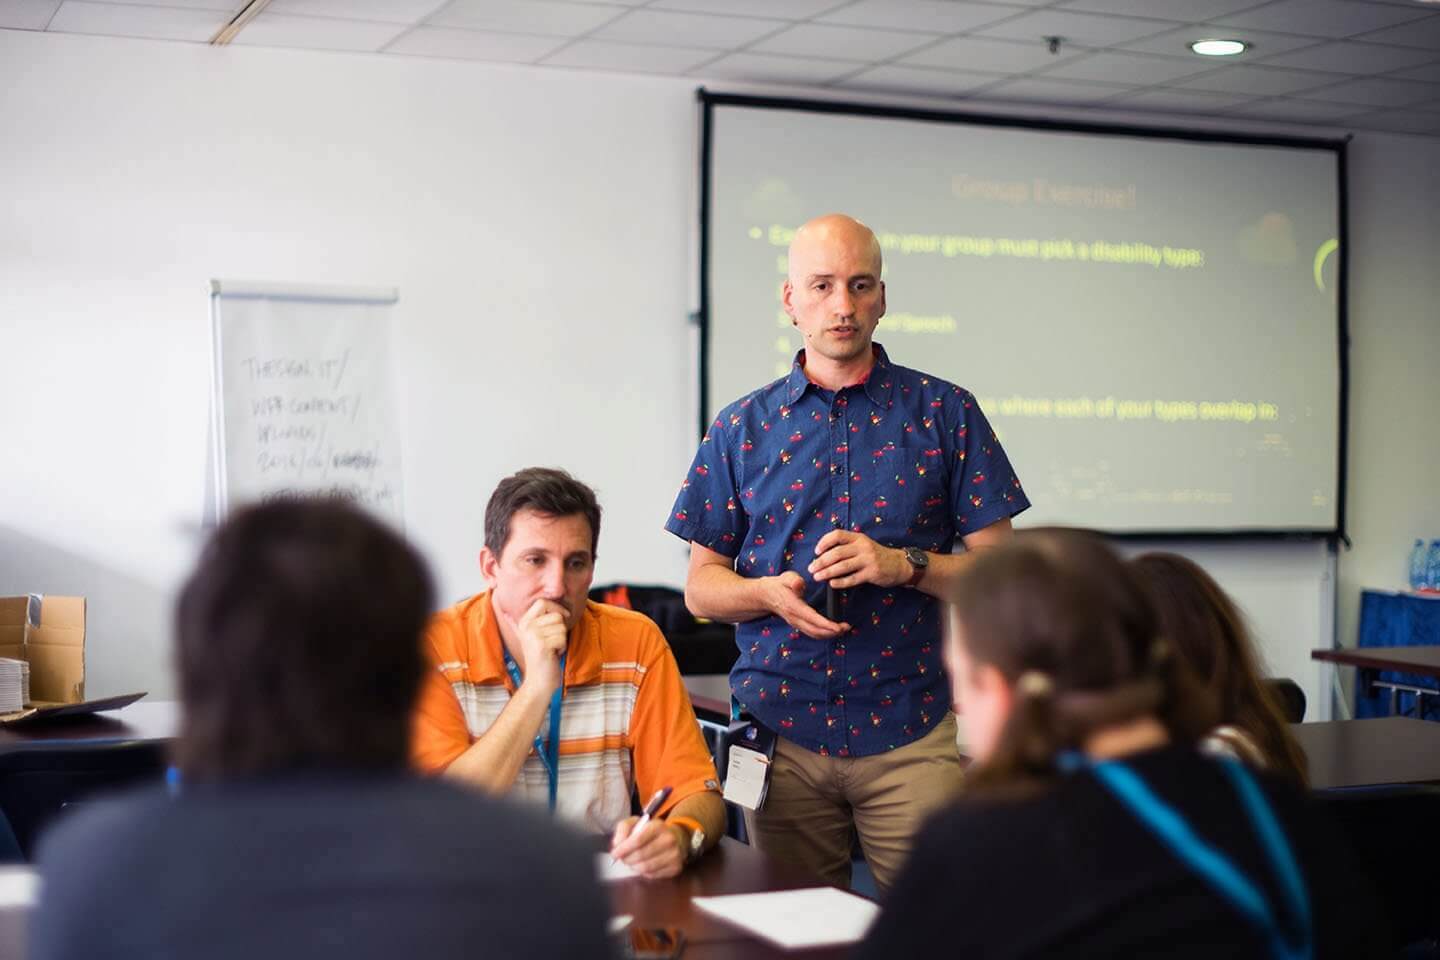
<point x="1400" y="121"/>
<point x="628" y="57"/>
<point x="1084" y="29"/>
<point x="1136" y="69"/>
<point x="847" y="43"/>
<point x="690" y="29"/>
<point x="1323" y="18"/>
<point x="1040" y="90"/>
<point x="1429" y="72"/>
<point x="918" y="80"/>
<point x="549" y="17"/>
<point x="159" y="23"/>
<point x="1184" y="11"/>
<point x="381" y="11"/>
<point x="316" y="33"/>
<point x="771" y="9"/>
<point x="936" y="16"/>
<point x="1420" y="33"/>
<point x="27" y="14"/>
<point x="1297" y="111"/>
<point x="1185" y="101"/>
<point x="1176" y="43"/>
<point x="982" y="53"/>
<point x="1381" y="92"/>
<point x="229" y="6"/>
<point x="1350" y="56"/>
<point x="1258" y="81"/>
<point x="474" y="45"/>
<point x="762" y="68"/>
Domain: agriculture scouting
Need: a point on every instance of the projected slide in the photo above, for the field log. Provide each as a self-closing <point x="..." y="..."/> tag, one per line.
<point x="1150" y="324"/>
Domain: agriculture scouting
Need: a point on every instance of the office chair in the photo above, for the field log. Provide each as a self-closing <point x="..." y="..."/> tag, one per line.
<point x="1290" y="697"/>
<point x="38" y="782"/>
<point x="1392" y="833"/>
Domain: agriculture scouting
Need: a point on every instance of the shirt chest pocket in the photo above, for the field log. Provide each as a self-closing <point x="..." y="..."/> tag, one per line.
<point x="906" y="500"/>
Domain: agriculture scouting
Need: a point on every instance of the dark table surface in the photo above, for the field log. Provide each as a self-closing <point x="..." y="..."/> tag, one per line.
<point x="1424" y="659"/>
<point x="1368" y="753"/>
<point x="143" y="720"/>
<point x="732" y="867"/>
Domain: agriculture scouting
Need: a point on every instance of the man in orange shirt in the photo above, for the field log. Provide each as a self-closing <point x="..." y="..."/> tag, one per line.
<point x="541" y="694"/>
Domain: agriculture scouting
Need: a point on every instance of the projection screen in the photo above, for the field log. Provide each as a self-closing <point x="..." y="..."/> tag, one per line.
<point x="1153" y="322"/>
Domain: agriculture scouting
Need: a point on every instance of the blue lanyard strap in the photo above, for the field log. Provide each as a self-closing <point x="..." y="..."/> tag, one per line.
<point x="548" y="750"/>
<point x="1212" y="865"/>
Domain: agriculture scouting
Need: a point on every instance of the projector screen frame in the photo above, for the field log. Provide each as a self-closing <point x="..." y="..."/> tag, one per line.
<point x="709" y="100"/>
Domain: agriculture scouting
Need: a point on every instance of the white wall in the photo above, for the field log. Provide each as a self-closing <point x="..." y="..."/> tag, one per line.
<point x="538" y="225"/>
<point x="1394" y="461"/>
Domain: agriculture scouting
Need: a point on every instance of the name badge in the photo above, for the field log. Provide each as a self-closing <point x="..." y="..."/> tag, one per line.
<point x="747" y="774"/>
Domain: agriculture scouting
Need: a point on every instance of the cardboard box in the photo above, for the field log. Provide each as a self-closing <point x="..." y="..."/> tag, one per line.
<point x="49" y="633"/>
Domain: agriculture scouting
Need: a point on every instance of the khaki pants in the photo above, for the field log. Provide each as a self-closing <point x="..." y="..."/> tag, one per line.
<point x="816" y="805"/>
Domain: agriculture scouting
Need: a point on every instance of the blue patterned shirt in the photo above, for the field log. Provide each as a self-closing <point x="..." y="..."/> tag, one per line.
<point x="905" y="458"/>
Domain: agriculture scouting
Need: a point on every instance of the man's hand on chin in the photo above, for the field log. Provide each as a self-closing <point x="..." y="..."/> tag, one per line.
<point x="544" y="634"/>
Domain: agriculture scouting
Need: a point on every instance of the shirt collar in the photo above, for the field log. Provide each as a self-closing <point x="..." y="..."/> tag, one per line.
<point x="879" y="383"/>
<point x="487" y="655"/>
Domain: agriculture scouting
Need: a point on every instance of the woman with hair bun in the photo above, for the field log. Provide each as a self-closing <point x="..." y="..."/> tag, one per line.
<point x="1092" y="825"/>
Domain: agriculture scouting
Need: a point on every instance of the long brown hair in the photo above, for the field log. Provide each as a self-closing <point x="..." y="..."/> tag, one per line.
<point x="1209" y="633"/>
<point x="1062" y="619"/>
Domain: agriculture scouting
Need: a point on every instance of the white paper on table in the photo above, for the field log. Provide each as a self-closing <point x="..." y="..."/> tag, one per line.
<point x="18" y="887"/>
<point x="813" y="917"/>
<point x="608" y="868"/>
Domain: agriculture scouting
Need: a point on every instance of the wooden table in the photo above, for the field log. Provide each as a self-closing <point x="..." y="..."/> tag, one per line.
<point x="732" y="867"/>
<point x="143" y="720"/>
<point x="1369" y="753"/>
<point x="710" y="696"/>
<point x="1422" y="660"/>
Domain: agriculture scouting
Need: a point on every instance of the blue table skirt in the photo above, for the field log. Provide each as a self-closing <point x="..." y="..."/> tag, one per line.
<point x="1395" y="620"/>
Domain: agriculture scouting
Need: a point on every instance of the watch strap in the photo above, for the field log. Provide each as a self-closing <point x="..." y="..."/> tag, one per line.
<point x="694" y="828"/>
<point x="917" y="572"/>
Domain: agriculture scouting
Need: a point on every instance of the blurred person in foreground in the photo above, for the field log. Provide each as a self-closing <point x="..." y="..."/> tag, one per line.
<point x="1093" y="827"/>
<point x="299" y="831"/>
<point x="1208" y="632"/>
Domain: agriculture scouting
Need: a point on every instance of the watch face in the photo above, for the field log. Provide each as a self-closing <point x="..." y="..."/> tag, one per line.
<point x="917" y="557"/>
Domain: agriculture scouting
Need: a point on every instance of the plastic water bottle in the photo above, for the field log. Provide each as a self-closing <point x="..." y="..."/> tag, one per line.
<point x="1432" y="566"/>
<point x="1419" y="564"/>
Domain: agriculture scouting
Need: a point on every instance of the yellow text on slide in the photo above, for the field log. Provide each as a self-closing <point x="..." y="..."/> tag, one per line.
<point x="1128" y="409"/>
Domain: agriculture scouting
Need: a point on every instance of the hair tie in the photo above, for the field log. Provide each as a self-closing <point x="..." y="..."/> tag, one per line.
<point x="1033" y="683"/>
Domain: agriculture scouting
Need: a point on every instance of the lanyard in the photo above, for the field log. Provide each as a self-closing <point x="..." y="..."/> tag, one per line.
<point x="548" y="750"/>
<point x="1213" y="866"/>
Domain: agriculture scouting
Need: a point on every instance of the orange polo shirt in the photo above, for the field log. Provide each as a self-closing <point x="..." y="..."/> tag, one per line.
<point x="625" y="719"/>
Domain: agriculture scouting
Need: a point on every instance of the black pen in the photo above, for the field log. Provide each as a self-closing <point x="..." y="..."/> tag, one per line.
<point x="650" y="810"/>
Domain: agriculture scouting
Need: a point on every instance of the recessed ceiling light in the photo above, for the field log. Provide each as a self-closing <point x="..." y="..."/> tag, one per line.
<point x="1219" y="48"/>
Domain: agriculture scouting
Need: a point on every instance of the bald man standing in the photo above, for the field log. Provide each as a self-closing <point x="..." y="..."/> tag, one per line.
<point x="859" y="475"/>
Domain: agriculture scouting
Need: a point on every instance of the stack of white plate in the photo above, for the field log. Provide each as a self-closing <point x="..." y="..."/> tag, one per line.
<point x="14" y="684"/>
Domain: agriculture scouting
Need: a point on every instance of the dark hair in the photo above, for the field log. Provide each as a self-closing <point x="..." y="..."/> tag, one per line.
<point x="545" y="490"/>
<point x="299" y="643"/>
<point x="1209" y="632"/>
<point x="1058" y="614"/>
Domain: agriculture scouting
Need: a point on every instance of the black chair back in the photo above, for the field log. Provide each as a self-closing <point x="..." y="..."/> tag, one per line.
<point x="1290" y="697"/>
<point x="1392" y="832"/>
<point x="37" y="783"/>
